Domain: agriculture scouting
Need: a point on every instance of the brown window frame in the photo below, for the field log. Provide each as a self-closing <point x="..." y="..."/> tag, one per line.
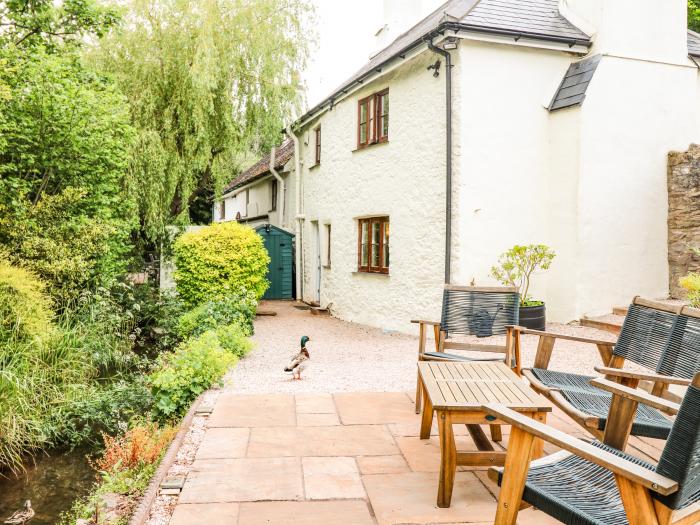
<point x="375" y="116"/>
<point x="384" y="238"/>
<point x="273" y="194"/>
<point x="317" y="133"/>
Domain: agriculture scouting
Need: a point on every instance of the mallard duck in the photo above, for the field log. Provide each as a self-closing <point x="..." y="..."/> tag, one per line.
<point x="21" y="516"/>
<point x="301" y="360"/>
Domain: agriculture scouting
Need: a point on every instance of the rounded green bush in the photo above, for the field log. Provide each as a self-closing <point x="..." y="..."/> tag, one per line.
<point x="219" y="259"/>
<point x="25" y="310"/>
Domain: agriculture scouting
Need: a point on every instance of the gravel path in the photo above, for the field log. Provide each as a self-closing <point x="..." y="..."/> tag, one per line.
<point x="347" y="357"/>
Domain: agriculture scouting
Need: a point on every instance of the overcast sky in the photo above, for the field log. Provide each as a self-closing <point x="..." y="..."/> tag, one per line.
<point x="346" y="37"/>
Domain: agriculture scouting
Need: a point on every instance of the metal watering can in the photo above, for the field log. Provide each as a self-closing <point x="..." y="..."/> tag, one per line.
<point x="481" y="321"/>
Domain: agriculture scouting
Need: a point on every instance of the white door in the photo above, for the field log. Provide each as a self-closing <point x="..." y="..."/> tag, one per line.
<point x="316" y="231"/>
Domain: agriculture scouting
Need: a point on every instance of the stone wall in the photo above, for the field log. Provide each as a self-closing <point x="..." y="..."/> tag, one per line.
<point x="683" y="214"/>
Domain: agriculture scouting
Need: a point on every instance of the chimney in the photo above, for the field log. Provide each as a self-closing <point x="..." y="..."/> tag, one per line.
<point x="397" y="16"/>
<point x="642" y="29"/>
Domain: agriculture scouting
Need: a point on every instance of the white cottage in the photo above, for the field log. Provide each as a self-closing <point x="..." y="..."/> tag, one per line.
<point x="491" y="123"/>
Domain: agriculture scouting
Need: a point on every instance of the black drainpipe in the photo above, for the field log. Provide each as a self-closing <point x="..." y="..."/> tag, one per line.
<point x="448" y="177"/>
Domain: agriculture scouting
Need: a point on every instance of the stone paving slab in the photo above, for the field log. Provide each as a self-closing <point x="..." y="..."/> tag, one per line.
<point x="246" y="479"/>
<point x="233" y="410"/>
<point x="305" y="513"/>
<point x="315" y="404"/>
<point x="356" y="440"/>
<point x="221" y="443"/>
<point x="410" y="498"/>
<point x="371" y="409"/>
<point x="209" y="513"/>
<point x="332" y="478"/>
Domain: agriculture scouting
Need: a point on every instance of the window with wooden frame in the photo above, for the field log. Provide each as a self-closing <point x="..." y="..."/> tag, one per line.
<point x="373" y="119"/>
<point x="317" y="157"/>
<point x="327" y="263"/>
<point x="273" y="194"/>
<point x="222" y="210"/>
<point x="373" y="245"/>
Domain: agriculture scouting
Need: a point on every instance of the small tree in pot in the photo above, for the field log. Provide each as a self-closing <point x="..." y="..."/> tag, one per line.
<point x="515" y="268"/>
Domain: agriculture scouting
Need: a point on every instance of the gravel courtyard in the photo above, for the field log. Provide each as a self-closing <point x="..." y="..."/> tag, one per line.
<point x="347" y="357"/>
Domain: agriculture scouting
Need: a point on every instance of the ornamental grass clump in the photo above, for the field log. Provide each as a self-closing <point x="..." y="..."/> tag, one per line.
<point x="220" y="259"/>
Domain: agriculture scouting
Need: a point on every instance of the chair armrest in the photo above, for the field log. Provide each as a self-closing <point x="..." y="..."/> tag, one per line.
<point x="642" y="376"/>
<point x="421" y="321"/>
<point x="616" y="464"/>
<point x="523" y="330"/>
<point x="640" y="396"/>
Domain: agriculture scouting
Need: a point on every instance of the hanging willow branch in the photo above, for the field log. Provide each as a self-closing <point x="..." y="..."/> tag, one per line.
<point x="209" y="83"/>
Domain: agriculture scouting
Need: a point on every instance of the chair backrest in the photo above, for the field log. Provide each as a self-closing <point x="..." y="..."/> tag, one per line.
<point x="680" y="459"/>
<point x="469" y="310"/>
<point x="646" y="332"/>
<point x="681" y="358"/>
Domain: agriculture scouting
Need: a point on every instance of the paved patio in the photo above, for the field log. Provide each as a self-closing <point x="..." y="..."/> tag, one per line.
<point x="345" y="459"/>
<point x="315" y="452"/>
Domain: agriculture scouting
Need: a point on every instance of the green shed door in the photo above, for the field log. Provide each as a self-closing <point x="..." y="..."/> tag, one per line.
<point x="279" y="272"/>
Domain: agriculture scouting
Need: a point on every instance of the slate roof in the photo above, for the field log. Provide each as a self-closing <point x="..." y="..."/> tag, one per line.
<point x="260" y="169"/>
<point x="693" y="43"/>
<point x="572" y="90"/>
<point x="527" y="16"/>
<point x="536" y="19"/>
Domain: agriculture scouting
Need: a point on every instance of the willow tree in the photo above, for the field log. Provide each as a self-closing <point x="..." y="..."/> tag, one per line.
<point x="208" y="82"/>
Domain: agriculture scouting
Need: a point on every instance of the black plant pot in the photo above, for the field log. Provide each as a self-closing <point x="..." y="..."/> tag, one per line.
<point x="533" y="317"/>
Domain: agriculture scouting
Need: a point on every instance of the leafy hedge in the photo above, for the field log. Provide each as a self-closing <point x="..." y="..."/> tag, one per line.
<point x="219" y="259"/>
<point x="194" y="367"/>
<point x="236" y="308"/>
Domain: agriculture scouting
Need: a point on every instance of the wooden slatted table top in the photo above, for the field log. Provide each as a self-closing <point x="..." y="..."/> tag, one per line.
<point x="468" y="385"/>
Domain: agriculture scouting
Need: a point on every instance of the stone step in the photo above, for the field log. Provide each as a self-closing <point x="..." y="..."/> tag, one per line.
<point x="610" y="323"/>
<point x="320" y="311"/>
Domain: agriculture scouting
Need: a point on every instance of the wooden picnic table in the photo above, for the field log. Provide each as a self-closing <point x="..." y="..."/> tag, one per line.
<point x="457" y="391"/>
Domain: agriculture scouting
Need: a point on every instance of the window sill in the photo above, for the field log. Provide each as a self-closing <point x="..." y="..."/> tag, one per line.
<point x="314" y="166"/>
<point x="379" y="274"/>
<point x="369" y="146"/>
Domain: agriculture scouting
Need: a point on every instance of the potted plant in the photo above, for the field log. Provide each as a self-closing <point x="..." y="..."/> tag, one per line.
<point x="515" y="268"/>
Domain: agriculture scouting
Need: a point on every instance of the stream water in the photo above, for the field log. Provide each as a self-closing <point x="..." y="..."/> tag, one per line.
<point x="51" y="482"/>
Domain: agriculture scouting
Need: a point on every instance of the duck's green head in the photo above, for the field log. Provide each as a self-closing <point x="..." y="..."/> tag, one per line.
<point x="304" y="339"/>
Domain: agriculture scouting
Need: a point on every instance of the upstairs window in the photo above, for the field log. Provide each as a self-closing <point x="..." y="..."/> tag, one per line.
<point x="317" y="132"/>
<point x="373" y="119"/>
<point x="373" y="245"/>
<point x="273" y="194"/>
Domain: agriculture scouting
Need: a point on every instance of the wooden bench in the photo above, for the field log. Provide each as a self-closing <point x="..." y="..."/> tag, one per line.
<point x="457" y="391"/>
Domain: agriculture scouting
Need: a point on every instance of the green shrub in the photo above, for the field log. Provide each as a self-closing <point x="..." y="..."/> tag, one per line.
<point x="691" y="283"/>
<point x="233" y="308"/>
<point x="25" y="311"/>
<point x="181" y="376"/>
<point x="107" y="410"/>
<point x="516" y="266"/>
<point x="219" y="259"/>
<point x="234" y="339"/>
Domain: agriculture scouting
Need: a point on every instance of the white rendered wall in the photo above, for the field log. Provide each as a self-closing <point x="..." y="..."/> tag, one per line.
<point x="635" y="112"/>
<point x="404" y="179"/>
<point x="260" y="201"/>
<point x="504" y="193"/>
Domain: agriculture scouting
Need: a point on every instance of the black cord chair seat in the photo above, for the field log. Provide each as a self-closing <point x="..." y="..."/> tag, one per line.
<point x="583" y="396"/>
<point x="578" y="492"/>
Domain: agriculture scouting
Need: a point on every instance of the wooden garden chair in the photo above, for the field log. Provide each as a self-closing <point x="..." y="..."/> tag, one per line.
<point x="655" y="336"/>
<point x="595" y="484"/>
<point x="472" y="311"/>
